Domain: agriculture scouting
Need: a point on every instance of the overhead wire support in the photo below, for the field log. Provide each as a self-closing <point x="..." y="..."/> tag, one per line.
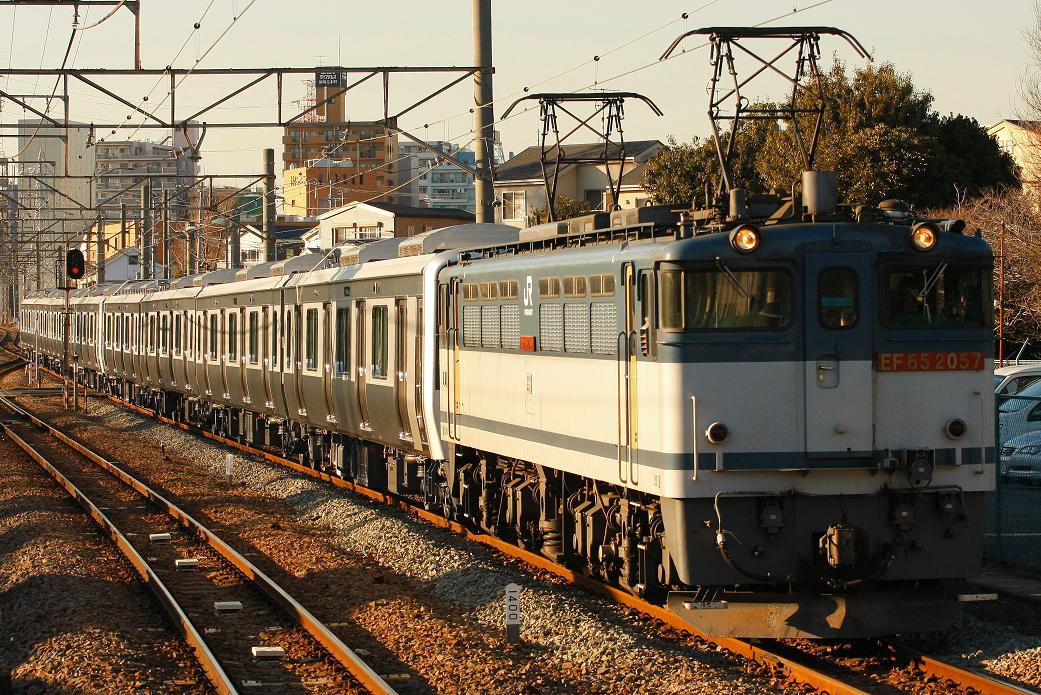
<point x="133" y="5"/>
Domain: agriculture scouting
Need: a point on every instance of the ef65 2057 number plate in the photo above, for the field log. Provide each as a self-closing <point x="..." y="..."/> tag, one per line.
<point x="928" y="361"/>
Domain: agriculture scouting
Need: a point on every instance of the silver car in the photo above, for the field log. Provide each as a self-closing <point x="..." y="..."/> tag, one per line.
<point x="1021" y="458"/>
<point x="1019" y="414"/>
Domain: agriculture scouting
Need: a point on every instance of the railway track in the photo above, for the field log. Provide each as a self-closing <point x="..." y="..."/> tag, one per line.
<point x="245" y="630"/>
<point x="798" y="665"/>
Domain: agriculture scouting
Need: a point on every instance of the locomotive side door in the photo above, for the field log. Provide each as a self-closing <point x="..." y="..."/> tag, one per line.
<point x="839" y="358"/>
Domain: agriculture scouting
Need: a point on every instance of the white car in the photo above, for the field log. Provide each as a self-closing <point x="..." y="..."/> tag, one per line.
<point x="1020" y="413"/>
<point x="1008" y="381"/>
<point x="1021" y="458"/>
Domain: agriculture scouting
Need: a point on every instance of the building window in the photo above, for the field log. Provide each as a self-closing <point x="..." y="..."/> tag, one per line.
<point x="595" y="198"/>
<point x="513" y="207"/>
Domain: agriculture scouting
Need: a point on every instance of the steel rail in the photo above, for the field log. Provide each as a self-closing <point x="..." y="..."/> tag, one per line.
<point x="207" y="660"/>
<point x="304" y="618"/>
<point x="966" y="677"/>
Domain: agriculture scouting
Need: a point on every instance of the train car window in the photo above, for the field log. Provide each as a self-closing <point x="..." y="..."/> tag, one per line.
<point x="470" y="291"/>
<point x="725" y="299"/>
<point x="601" y="285"/>
<point x="939" y="296"/>
<point x="151" y="333"/>
<point x="233" y="337"/>
<point x="164" y="335"/>
<point x="838" y="304"/>
<point x="274" y="338"/>
<point x="575" y="286"/>
<point x="489" y="290"/>
<point x="379" y="342"/>
<point x="177" y="334"/>
<point x="311" y="340"/>
<point x="508" y="289"/>
<point x="254" y="338"/>
<point x="289" y="339"/>
<point x="213" y="336"/>
<point x="343" y="339"/>
<point x="549" y="287"/>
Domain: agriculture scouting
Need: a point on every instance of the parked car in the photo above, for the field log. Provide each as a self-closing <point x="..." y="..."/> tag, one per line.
<point x="1020" y="413"/>
<point x="1021" y="458"/>
<point x="1008" y="381"/>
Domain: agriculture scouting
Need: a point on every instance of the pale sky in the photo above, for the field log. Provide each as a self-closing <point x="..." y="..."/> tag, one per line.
<point x="971" y="56"/>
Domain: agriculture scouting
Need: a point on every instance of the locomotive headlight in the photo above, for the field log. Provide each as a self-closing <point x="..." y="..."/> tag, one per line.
<point x="745" y="239"/>
<point x="717" y="433"/>
<point x="924" y="236"/>
<point x="955" y="429"/>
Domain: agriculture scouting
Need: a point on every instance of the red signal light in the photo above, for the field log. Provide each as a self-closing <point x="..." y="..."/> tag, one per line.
<point x="75" y="266"/>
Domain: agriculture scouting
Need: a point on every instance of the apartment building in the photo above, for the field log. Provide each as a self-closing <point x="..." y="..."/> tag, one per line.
<point x="122" y="166"/>
<point x="429" y="180"/>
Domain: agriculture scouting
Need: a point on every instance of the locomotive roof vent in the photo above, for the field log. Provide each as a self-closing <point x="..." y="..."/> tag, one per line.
<point x="820" y="193"/>
<point x="379" y="250"/>
<point x="895" y="210"/>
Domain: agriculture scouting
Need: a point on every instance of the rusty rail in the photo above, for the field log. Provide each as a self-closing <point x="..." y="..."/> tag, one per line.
<point x="304" y="618"/>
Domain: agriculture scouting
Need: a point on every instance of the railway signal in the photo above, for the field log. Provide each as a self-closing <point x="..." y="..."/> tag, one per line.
<point x="75" y="267"/>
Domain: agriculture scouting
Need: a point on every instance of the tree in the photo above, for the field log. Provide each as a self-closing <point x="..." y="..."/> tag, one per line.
<point x="880" y="136"/>
<point x="566" y="209"/>
<point x="1011" y="209"/>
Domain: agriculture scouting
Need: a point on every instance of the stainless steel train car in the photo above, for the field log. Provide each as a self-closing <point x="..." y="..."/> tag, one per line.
<point x="778" y="429"/>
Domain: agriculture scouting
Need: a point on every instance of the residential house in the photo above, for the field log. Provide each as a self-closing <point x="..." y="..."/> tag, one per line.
<point x="520" y="188"/>
<point x="377" y="220"/>
<point x="1022" y="140"/>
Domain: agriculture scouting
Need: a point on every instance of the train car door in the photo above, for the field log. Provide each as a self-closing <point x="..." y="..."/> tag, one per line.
<point x="381" y="381"/>
<point x="401" y="365"/>
<point x="838" y="357"/>
<point x="360" y="369"/>
<point x="628" y="350"/>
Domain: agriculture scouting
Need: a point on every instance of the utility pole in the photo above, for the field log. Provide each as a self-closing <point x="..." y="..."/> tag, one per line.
<point x="101" y="250"/>
<point x="234" y="241"/>
<point x="484" y="115"/>
<point x="147" y="255"/>
<point x="166" y="235"/>
<point x="1001" y="295"/>
<point x="123" y="226"/>
<point x="13" y="230"/>
<point x="269" y="214"/>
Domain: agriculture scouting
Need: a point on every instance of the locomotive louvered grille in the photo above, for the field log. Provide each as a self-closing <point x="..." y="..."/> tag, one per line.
<point x="576" y="328"/>
<point x="551" y="327"/>
<point x="471" y="326"/>
<point x="490" y="326"/>
<point x="510" y="326"/>
<point x="605" y="329"/>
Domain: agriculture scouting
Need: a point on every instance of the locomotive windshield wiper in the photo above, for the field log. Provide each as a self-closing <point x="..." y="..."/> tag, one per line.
<point x="930" y="283"/>
<point x="732" y="279"/>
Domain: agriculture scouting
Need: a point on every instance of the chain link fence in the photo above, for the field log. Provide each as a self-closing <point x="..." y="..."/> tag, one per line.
<point x="1013" y="530"/>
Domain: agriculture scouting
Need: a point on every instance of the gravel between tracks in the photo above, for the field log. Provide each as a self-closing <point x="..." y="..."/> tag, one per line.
<point x="74" y="616"/>
<point x="442" y="611"/>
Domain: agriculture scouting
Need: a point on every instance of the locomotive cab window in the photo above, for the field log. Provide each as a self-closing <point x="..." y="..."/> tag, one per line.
<point x="939" y="297"/>
<point x="725" y="299"/>
<point x="837" y="299"/>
